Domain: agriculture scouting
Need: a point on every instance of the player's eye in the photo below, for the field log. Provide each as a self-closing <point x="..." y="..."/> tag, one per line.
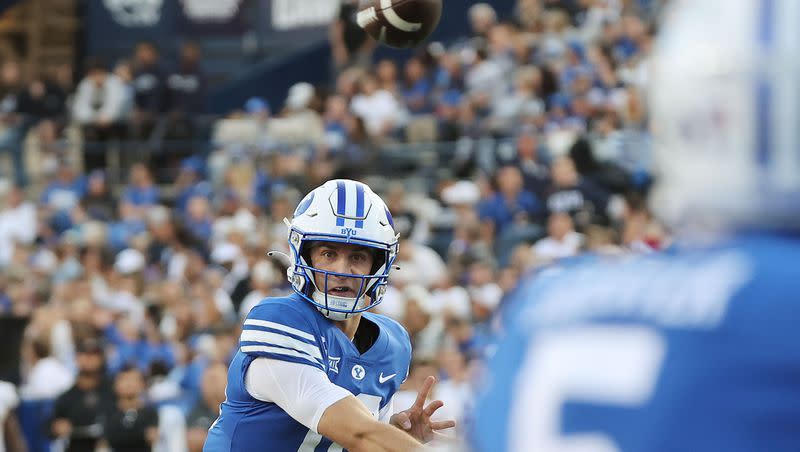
<point x="359" y="257"/>
<point x="328" y="254"/>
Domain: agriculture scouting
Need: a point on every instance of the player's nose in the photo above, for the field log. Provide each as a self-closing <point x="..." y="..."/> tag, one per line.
<point x="340" y="265"/>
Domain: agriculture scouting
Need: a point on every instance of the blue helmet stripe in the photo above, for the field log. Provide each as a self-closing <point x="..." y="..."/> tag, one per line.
<point x="359" y="206"/>
<point x="341" y="203"/>
<point x="764" y="85"/>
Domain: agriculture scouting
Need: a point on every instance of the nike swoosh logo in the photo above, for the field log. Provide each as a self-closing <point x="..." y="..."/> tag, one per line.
<point x="383" y="379"/>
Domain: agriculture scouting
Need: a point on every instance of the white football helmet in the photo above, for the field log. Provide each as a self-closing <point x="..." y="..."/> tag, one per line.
<point x="342" y="211"/>
<point x="725" y="112"/>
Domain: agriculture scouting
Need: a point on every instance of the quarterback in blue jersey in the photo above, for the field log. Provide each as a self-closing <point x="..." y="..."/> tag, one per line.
<point x="697" y="349"/>
<point x="314" y="370"/>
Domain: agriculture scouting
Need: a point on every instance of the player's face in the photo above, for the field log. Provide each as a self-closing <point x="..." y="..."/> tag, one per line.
<point x="341" y="258"/>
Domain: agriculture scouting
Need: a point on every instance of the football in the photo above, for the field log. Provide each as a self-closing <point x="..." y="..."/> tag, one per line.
<point x="400" y="23"/>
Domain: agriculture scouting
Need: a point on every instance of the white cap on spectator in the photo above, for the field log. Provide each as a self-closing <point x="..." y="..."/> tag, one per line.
<point x="300" y="95"/>
<point x="244" y="221"/>
<point x="129" y="261"/>
<point x="44" y="261"/>
<point x="264" y="272"/>
<point x="158" y="215"/>
<point x="94" y="233"/>
<point x="393" y="304"/>
<point x="461" y="193"/>
<point x="482" y="10"/>
<point x="225" y="253"/>
<point x="454" y="300"/>
<point x="487" y="295"/>
<point x="421" y="296"/>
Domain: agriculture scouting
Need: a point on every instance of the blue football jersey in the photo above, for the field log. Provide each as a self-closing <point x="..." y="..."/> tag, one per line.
<point x="698" y="350"/>
<point x="291" y="329"/>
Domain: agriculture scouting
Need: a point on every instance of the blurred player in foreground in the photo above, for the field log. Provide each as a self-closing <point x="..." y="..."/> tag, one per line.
<point x="697" y="350"/>
<point x="315" y="371"/>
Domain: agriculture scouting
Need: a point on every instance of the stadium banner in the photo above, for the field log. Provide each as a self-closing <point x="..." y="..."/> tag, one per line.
<point x="114" y="26"/>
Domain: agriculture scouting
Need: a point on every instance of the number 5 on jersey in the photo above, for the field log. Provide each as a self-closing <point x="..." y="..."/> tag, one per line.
<point x="594" y="365"/>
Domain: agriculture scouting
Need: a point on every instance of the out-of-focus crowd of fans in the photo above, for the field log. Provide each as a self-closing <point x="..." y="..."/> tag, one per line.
<point x="135" y="288"/>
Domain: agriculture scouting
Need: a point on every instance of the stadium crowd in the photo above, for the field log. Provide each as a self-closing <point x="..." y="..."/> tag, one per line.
<point x="135" y="294"/>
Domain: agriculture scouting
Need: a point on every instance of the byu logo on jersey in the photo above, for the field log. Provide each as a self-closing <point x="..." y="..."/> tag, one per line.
<point x="352" y="206"/>
<point x="358" y="372"/>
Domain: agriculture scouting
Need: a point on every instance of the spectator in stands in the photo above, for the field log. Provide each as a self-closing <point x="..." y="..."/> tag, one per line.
<point x="98" y="202"/>
<point x="379" y="110"/>
<point x="299" y="123"/>
<point x="337" y="120"/>
<point x="510" y="204"/>
<point x="350" y="44"/>
<point x="485" y="81"/>
<point x="455" y="386"/>
<point x="129" y="223"/>
<point x="131" y="425"/>
<point x="484" y="293"/>
<point x="100" y="107"/>
<point x="11" y="437"/>
<point x="482" y="17"/>
<point x="522" y="105"/>
<point x="207" y="409"/>
<point x="42" y="99"/>
<point x="422" y="265"/>
<point x="125" y="295"/>
<point x="15" y="130"/>
<point x="562" y="240"/>
<point x="530" y="160"/>
<point x="186" y="84"/>
<point x="500" y="43"/>
<point x="48" y="377"/>
<point x="149" y="89"/>
<point x="142" y="192"/>
<point x="263" y="280"/>
<point x="575" y="195"/>
<point x="18" y="224"/>
<point x="199" y="219"/>
<point x="60" y="196"/>
<point x="528" y="13"/>
<point x="190" y="182"/>
<point x="416" y="87"/>
<point x="386" y="72"/>
<point x="80" y="412"/>
<point x="424" y="324"/>
<point x="235" y="271"/>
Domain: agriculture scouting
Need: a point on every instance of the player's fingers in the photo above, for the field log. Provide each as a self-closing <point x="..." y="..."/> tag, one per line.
<point x="402" y="420"/>
<point x="432" y="407"/>
<point x="441" y="425"/>
<point x="423" y="393"/>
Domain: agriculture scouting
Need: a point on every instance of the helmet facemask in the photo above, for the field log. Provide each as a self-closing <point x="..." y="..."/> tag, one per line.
<point x="366" y="295"/>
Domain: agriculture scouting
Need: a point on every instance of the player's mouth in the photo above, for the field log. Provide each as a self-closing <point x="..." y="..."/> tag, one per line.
<point x="342" y="291"/>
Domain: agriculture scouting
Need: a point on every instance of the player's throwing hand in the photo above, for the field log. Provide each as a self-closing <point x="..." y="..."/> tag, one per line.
<point x="416" y="421"/>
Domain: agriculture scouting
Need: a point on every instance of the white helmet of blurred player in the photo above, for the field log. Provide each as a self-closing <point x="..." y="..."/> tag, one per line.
<point x="725" y="112"/>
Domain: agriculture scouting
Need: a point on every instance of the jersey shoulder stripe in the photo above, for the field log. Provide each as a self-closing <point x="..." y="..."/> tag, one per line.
<point x="259" y="337"/>
<point x="280" y="328"/>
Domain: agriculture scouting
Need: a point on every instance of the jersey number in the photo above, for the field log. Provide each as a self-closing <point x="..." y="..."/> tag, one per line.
<point x="594" y="365"/>
<point x="312" y="440"/>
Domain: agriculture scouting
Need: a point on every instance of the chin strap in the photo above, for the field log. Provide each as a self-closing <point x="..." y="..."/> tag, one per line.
<point x="337" y="303"/>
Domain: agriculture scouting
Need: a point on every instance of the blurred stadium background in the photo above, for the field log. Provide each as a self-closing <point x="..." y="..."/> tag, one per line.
<point x="149" y="150"/>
